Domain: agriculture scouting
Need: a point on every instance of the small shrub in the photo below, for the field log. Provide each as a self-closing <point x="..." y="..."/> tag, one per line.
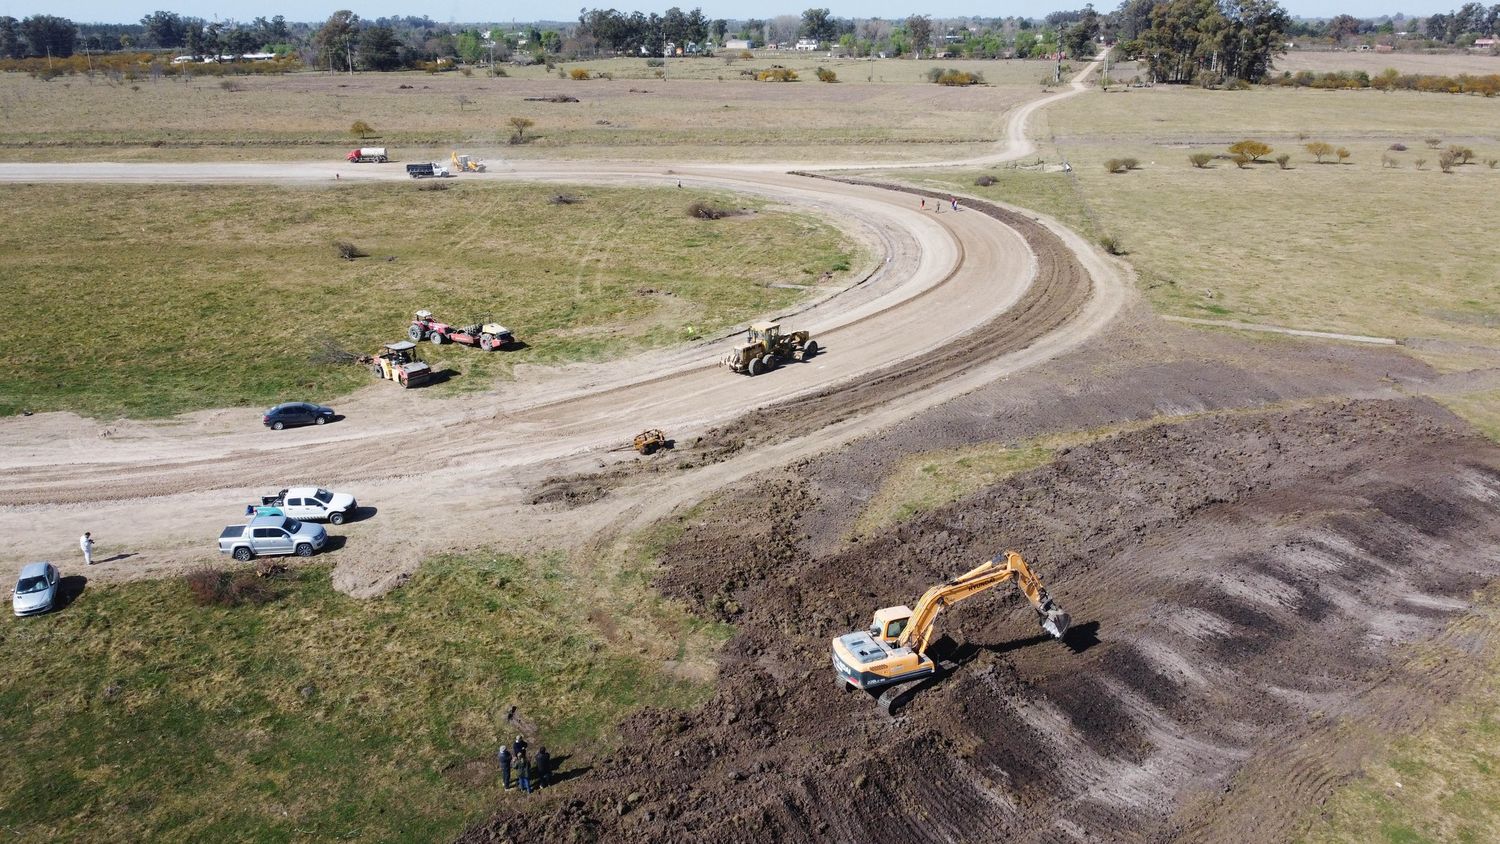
<point x="231" y="85"/>
<point x="1251" y="149"/>
<point x="432" y="185"/>
<point x="1131" y="163"/>
<point x="520" y="124"/>
<point x="1111" y="244"/>
<point x="1342" y="153"/>
<point x="985" y="181"/>
<point x="704" y="211"/>
<point x="1389" y="161"/>
<point x="1421" y="162"/>
<point x="347" y="251"/>
<point x="956" y="78"/>
<point x="1241" y="160"/>
<point x="1446" y="160"/>
<point x="1114" y="165"/>
<point x="1461" y="154"/>
<point x="498" y="71"/>
<point x="827" y="75"/>
<point x="466" y="71"/>
<point x="656" y="62"/>
<point x="1284" y="161"/>
<point x="361" y="129"/>
<point x="1319" y="150"/>
<point x="578" y="74"/>
<point x="1432" y="143"/>
<point x="215" y="587"/>
<point x="746" y="54"/>
<point x="1398" y="147"/>
<point x="777" y="74"/>
<point x="1201" y="159"/>
<point x="1491" y="162"/>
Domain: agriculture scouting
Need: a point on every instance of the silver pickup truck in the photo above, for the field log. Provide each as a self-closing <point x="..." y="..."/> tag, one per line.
<point x="271" y="535"/>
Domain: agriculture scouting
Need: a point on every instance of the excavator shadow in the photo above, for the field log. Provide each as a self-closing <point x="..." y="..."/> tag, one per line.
<point x="950" y="655"/>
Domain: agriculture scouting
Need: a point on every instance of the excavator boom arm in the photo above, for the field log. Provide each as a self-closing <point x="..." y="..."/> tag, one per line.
<point x="918" y="632"/>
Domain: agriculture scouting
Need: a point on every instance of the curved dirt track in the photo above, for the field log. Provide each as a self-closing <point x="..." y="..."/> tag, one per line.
<point x="958" y="299"/>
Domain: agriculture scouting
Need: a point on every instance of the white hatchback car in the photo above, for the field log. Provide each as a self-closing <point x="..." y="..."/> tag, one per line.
<point x="36" y="589"/>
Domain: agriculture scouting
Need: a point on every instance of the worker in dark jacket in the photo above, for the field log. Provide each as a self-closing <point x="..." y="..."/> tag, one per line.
<point x="523" y="773"/>
<point x="518" y="747"/>
<point x="542" y="767"/>
<point x="505" y="766"/>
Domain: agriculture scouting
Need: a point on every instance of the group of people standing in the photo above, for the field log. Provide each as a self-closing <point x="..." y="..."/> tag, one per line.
<point x="530" y="774"/>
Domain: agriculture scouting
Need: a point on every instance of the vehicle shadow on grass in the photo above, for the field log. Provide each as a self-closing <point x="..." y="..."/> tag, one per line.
<point x="68" y="589"/>
<point x="440" y="376"/>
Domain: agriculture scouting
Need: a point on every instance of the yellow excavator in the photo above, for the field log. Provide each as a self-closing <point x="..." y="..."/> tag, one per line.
<point x="893" y="652"/>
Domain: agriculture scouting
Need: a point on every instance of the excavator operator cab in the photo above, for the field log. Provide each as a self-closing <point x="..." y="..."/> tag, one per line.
<point x="890" y="623"/>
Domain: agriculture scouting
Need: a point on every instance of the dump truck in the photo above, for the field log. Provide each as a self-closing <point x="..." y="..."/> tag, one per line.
<point x="892" y="654"/>
<point x="766" y="348"/>
<point x="365" y="155"/>
<point x="429" y="170"/>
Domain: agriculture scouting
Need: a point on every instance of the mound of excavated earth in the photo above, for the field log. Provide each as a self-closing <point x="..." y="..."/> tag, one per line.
<point x="1241" y="584"/>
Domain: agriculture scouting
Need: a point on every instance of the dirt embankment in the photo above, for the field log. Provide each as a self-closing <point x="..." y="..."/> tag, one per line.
<point x="1237" y="584"/>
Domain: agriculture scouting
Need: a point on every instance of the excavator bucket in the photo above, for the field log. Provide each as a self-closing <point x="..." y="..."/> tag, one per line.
<point x="1056" y="622"/>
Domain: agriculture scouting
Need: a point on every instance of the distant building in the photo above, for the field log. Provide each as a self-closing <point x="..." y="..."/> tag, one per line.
<point x="1484" y="43"/>
<point x="806" y="45"/>
<point x="739" y="44"/>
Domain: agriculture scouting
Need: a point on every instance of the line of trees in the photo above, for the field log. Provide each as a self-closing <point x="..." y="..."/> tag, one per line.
<point x="1203" y="41"/>
<point x="38" y="35"/>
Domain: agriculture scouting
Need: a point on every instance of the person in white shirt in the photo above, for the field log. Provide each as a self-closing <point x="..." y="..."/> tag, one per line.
<point x="86" y="542"/>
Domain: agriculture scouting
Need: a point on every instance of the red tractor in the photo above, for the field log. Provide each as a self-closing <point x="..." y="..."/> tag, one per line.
<point x="490" y="336"/>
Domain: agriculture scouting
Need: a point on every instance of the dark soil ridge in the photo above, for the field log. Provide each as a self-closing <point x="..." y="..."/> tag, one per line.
<point x="1060" y="290"/>
<point x="1240" y="582"/>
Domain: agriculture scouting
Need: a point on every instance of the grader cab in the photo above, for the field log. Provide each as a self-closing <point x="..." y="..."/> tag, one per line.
<point x="766" y="348"/>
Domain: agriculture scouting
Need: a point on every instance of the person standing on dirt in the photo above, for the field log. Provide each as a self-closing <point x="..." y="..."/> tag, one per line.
<point x="86" y="543"/>
<point x="523" y="772"/>
<point x="542" y="767"/>
<point x="504" y="755"/>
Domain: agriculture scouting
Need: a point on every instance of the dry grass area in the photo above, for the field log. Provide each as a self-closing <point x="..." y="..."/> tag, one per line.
<point x="928" y="480"/>
<point x="1436" y="64"/>
<point x="704" y="110"/>
<point x="1354" y="247"/>
<point x="174" y="298"/>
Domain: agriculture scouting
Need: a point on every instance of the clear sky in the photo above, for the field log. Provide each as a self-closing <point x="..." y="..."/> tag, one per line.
<point x="130" y="11"/>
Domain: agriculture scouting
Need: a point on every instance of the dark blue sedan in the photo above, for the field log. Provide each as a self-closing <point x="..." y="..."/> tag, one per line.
<point x="296" y="413"/>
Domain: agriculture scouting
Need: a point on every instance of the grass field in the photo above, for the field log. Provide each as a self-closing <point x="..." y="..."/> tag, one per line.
<point x="148" y="302"/>
<point x="1440" y="64"/>
<point x="133" y="714"/>
<point x="704" y="110"/>
<point x="928" y="480"/>
<point x="1356" y="247"/>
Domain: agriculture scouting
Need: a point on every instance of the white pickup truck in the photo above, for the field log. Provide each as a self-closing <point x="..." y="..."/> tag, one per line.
<point x="309" y="503"/>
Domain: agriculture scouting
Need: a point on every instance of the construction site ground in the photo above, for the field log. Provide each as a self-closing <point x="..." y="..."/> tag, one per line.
<point x="1273" y="548"/>
<point x="1267" y="579"/>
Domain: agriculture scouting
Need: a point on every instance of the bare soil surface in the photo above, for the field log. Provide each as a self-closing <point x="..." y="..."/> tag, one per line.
<point x="1241" y="584"/>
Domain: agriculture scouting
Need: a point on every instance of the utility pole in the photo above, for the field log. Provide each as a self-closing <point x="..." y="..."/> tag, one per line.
<point x="349" y="55"/>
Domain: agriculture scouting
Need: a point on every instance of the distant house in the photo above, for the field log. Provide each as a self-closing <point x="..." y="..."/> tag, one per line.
<point x="739" y="44"/>
<point x="806" y="45"/>
<point x="1485" y="43"/>
<point x="1384" y="48"/>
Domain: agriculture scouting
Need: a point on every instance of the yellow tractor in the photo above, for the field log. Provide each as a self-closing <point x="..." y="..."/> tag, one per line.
<point x="893" y="652"/>
<point x="466" y="164"/>
<point x="647" y="442"/>
<point x="766" y="348"/>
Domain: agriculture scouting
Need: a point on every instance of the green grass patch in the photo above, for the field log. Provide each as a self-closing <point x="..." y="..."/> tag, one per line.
<point x="1480" y="409"/>
<point x="135" y="715"/>
<point x="152" y="301"/>
<point x="928" y="480"/>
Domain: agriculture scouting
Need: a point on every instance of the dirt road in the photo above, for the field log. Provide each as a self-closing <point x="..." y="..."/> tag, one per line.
<point x="944" y="282"/>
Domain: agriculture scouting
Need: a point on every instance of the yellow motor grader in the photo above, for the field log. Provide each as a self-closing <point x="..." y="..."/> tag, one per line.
<point x="766" y="348"/>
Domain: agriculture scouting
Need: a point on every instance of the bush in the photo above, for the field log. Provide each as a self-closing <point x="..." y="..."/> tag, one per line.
<point x="347" y="251"/>
<point x="1421" y="162"/>
<point x="1131" y="163"/>
<point x="1111" y="244"/>
<point x="1389" y="161"/>
<point x="954" y="77"/>
<point x="1241" y="160"/>
<point x="215" y="587"/>
<point x="498" y="71"/>
<point x="1320" y="150"/>
<point x="1398" y="147"/>
<point x="361" y="129"/>
<point x="1251" y="149"/>
<point x="656" y="62"/>
<point x="777" y="74"/>
<point x="1491" y="162"/>
<point x="1342" y="153"/>
<point x="1461" y="154"/>
<point x="1432" y="143"/>
<point x="704" y="211"/>
<point x="826" y="75"/>
<point x="1114" y="165"/>
<point x="986" y="180"/>
<point x="1201" y="159"/>
<point x="578" y="73"/>
<point x="746" y="54"/>
<point x="1446" y="160"/>
<point x="1283" y="161"/>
